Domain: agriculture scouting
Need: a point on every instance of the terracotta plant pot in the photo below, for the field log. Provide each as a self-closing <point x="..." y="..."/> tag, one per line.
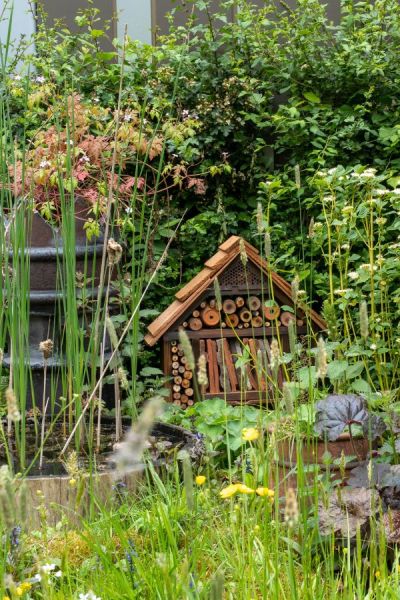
<point x="312" y="458"/>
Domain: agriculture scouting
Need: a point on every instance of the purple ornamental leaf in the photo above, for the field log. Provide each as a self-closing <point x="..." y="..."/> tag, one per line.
<point x="374" y="427"/>
<point x="348" y="510"/>
<point x="368" y="475"/>
<point x="337" y="412"/>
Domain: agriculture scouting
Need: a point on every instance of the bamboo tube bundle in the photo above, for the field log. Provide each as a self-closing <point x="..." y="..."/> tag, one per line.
<point x="286" y="317"/>
<point x="253" y="302"/>
<point x="257" y="321"/>
<point x="195" y="324"/>
<point x="210" y="316"/>
<point x="239" y="301"/>
<point x="181" y="387"/>
<point x="245" y="315"/>
<point x="232" y="320"/>
<point x="229" y="306"/>
<point x="271" y="313"/>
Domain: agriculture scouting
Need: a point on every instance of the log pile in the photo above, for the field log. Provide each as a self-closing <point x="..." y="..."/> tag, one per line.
<point x="182" y="378"/>
<point x="239" y="313"/>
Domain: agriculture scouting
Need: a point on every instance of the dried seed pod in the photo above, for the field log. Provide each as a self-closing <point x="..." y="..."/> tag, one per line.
<point x="46" y="348"/>
<point x="114" y="252"/>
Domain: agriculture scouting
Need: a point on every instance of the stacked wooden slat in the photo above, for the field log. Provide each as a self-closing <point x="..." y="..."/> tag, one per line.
<point x="238" y="365"/>
<point x="239" y="312"/>
<point x="182" y="377"/>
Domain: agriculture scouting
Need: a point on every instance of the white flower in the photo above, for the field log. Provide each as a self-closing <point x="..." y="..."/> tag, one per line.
<point x="185" y="114"/>
<point x="40" y="79"/>
<point x="58" y="574"/>
<point x="17" y="77"/>
<point x="44" y="164"/>
<point x="328" y="198"/>
<point x="85" y="159"/>
<point x="348" y="209"/>
<point x="89" y="596"/>
<point x="380" y="191"/>
<point x="128" y="117"/>
<point x="353" y="275"/>
<point x="373" y="346"/>
<point x="129" y="210"/>
<point x="341" y="292"/>
<point x="368" y="267"/>
<point x="332" y="171"/>
<point x="48" y="568"/>
<point x="367" y="174"/>
<point x="345" y="246"/>
<point x="37" y="578"/>
<point x="396" y="191"/>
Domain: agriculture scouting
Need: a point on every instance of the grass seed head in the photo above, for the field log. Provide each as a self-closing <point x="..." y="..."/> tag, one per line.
<point x="12" y="406"/>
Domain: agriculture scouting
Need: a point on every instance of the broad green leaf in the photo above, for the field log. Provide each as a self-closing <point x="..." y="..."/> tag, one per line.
<point x="337" y="369"/>
<point x="151" y="371"/>
<point x="311" y="97"/>
<point x="360" y="386"/>
<point x="355" y="370"/>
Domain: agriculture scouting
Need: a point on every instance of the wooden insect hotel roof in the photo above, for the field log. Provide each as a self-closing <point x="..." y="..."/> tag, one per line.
<point x="228" y="253"/>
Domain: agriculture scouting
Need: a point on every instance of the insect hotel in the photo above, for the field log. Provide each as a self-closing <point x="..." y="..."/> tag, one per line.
<point x="233" y="328"/>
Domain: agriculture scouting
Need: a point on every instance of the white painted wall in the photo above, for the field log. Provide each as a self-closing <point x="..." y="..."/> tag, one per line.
<point x="137" y="15"/>
<point x="22" y="19"/>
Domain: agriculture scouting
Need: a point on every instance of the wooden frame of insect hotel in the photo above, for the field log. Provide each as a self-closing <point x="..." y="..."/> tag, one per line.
<point x="232" y="327"/>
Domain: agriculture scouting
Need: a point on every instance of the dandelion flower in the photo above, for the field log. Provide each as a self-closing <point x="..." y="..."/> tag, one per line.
<point x="229" y="491"/>
<point x="244" y="489"/>
<point x="250" y="434"/>
<point x="265" y="492"/>
<point x="200" y="479"/>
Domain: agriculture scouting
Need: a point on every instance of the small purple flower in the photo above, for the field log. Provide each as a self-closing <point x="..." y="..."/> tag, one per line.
<point x="40" y="79"/>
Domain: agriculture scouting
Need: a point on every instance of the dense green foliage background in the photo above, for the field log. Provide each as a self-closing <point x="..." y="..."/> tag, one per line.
<point x="238" y="107"/>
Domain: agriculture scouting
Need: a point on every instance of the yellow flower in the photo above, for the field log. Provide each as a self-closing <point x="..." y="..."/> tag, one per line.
<point x="250" y="434"/>
<point x="200" y="479"/>
<point x="377" y="574"/>
<point x="72" y="482"/>
<point x="229" y="491"/>
<point x="26" y="586"/>
<point x="6" y="597"/>
<point x="265" y="492"/>
<point x="244" y="489"/>
<point x="19" y="591"/>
